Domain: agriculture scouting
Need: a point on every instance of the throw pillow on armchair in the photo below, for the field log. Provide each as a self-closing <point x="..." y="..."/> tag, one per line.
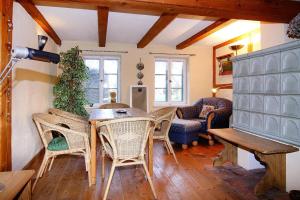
<point x="205" y="110"/>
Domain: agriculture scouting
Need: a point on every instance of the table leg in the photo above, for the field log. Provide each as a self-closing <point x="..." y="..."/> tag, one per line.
<point x="26" y="192"/>
<point x="275" y="175"/>
<point x="93" y="152"/>
<point x="150" y="153"/>
<point x="229" y="154"/>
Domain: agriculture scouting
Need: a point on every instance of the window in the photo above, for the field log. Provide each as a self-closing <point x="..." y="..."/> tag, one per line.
<point x="170" y="80"/>
<point x="104" y="77"/>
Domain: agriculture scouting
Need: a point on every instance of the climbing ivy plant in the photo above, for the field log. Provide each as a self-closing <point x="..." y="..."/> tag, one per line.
<point x="69" y="90"/>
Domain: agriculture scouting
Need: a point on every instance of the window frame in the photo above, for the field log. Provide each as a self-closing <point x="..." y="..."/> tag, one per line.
<point x="101" y="59"/>
<point x="169" y="61"/>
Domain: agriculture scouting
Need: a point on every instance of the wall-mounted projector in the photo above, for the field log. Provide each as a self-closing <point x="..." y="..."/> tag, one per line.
<point x="34" y="54"/>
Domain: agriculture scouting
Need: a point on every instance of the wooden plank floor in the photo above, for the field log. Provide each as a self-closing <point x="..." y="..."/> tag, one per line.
<point x="193" y="178"/>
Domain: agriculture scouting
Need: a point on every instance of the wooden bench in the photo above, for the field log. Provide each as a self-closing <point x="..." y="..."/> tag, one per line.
<point x="270" y="153"/>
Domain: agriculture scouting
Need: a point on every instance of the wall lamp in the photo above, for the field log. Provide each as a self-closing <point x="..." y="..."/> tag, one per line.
<point x="42" y="40"/>
<point x="215" y="90"/>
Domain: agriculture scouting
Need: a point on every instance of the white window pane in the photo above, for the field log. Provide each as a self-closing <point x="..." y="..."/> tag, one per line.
<point x="93" y="80"/>
<point x="176" y="95"/>
<point x="92" y="95"/>
<point x="111" y="66"/>
<point x="92" y="83"/>
<point x="176" y="81"/>
<point x="93" y="65"/>
<point x="160" y="81"/>
<point x="161" y="95"/>
<point x="177" y="67"/>
<point x="161" y="67"/>
<point x="106" y="94"/>
<point x="110" y="81"/>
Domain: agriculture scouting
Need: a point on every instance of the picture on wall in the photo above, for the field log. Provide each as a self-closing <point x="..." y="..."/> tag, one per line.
<point x="225" y="64"/>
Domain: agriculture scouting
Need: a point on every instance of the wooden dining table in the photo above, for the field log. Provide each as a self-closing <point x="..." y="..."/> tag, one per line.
<point x="110" y="114"/>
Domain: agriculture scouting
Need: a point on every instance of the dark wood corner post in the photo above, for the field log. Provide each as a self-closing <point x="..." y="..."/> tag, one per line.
<point x="6" y="26"/>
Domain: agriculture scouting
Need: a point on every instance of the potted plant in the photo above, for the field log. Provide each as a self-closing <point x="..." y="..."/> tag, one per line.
<point x="69" y="90"/>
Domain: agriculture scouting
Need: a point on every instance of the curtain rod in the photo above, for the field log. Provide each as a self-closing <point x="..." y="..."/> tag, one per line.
<point x="172" y="54"/>
<point x="104" y="51"/>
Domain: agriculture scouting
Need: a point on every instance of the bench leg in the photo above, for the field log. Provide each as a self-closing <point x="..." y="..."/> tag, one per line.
<point x="229" y="154"/>
<point x="275" y="175"/>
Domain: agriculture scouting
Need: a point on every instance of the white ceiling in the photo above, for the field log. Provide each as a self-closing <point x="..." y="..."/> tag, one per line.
<point x="82" y="25"/>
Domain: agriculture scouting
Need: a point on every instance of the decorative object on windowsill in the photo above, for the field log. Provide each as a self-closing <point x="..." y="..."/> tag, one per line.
<point x="140" y="66"/>
<point x="293" y="30"/>
<point x="236" y="48"/>
<point x="69" y="90"/>
<point x="113" y="96"/>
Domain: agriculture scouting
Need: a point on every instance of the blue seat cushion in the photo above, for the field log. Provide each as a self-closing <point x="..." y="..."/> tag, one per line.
<point x="188" y="125"/>
<point x="58" y="144"/>
<point x="185" y="131"/>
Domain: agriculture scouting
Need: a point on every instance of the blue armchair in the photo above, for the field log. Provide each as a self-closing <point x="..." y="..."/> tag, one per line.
<point x="188" y="127"/>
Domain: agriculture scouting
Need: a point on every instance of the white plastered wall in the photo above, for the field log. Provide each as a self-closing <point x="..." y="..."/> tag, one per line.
<point x="28" y="96"/>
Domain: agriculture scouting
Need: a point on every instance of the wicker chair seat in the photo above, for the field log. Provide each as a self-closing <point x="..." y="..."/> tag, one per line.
<point x="58" y="144"/>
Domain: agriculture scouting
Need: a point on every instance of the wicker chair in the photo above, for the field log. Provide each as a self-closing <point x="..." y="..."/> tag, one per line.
<point x="75" y="141"/>
<point x="68" y="115"/>
<point x="114" y="105"/>
<point x="164" y="119"/>
<point x="124" y="141"/>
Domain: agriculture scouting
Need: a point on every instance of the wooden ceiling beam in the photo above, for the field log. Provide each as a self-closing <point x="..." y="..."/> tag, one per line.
<point x="164" y="20"/>
<point x="102" y="25"/>
<point x="32" y="10"/>
<point x="281" y="11"/>
<point x="217" y="25"/>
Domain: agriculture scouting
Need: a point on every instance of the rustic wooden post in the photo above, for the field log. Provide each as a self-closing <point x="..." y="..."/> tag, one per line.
<point x="6" y="26"/>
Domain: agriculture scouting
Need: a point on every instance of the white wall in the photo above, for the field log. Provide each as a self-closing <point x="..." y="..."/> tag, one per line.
<point x="28" y="97"/>
<point x="273" y="34"/>
<point x="199" y="66"/>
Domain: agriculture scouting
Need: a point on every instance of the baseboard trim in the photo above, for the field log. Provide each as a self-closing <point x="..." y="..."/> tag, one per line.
<point x="34" y="159"/>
